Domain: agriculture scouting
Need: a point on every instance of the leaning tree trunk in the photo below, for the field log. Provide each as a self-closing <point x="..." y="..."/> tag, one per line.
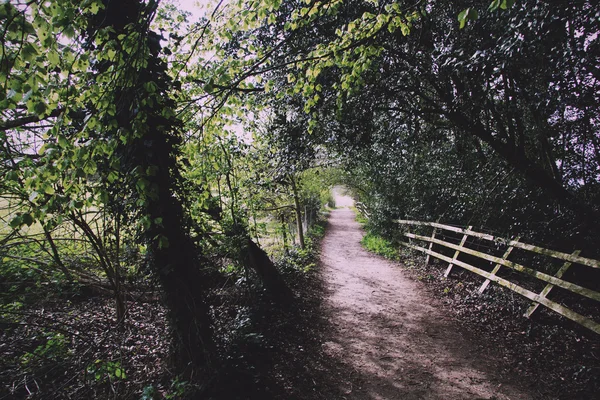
<point x="255" y="258"/>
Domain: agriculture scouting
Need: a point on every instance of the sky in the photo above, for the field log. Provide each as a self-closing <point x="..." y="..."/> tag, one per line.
<point x="199" y="8"/>
<point x="196" y="7"/>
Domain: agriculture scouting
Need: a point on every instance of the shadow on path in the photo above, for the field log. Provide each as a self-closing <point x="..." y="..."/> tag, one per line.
<point x="393" y="336"/>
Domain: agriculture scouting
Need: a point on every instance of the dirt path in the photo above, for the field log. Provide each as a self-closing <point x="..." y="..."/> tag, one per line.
<point x="394" y="335"/>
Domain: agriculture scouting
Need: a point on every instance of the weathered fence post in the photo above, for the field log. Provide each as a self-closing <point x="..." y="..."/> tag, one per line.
<point x="549" y="286"/>
<point x="430" y="246"/>
<point x="497" y="266"/>
<point x="462" y="243"/>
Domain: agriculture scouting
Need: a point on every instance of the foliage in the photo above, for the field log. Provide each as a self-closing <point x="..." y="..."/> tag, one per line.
<point x="53" y="349"/>
<point x="298" y="260"/>
<point x="361" y="218"/>
<point x="106" y="370"/>
<point x="138" y="147"/>
<point x="379" y="245"/>
<point x="470" y="125"/>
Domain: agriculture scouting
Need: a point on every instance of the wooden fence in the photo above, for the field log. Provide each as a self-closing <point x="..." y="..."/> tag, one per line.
<point x="537" y="298"/>
<point x="362" y="209"/>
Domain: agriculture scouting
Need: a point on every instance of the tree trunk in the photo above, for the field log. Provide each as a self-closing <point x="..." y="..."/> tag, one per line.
<point x="298" y="211"/>
<point x="175" y="261"/>
<point x="256" y="259"/>
<point x="148" y="155"/>
<point x="284" y="232"/>
<point x="56" y="256"/>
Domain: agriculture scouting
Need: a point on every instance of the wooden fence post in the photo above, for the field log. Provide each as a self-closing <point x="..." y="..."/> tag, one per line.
<point x="462" y="243"/>
<point x="549" y="286"/>
<point x="497" y="267"/>
<point x="430" y="246"/>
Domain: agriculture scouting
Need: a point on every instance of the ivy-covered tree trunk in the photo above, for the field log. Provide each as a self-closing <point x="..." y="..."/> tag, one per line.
<point x="148" y="133"/>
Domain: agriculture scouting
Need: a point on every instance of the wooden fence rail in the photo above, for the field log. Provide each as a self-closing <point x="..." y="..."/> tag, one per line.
<point x="363" y="210"/>
<point x="537" y="298"/>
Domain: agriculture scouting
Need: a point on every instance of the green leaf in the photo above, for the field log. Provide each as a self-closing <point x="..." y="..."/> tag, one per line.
<point x="69" y="31"/>
<point x="506" y="4"/>
<point x="16" y="222"/>
<point x="163" y="242"/>
<point x="63" y="142"/>
<point x="29" y="53"/>
<point x="465" y="15"/>
<point x="494" y="5"/>
<point x="53" y="57"/>
<point x="27" y="219"/>
<point x="27" y="95"/>
<point x="405" y="29"/>
<point x="141" y="185"/>
<point x="145" y="222"/>
<point x="40" y="108"/>
<point x="94" y="8"/>
<point x="112" y="176"/>
<point x="5" y="10"/>
<point x="90" y="167"/>
<point x="119" y="373"/>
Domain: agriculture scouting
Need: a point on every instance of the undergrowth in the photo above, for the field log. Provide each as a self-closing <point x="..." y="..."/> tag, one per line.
<point x="360" y="218"/>
<point x="296" y="259"/>
<point x="378" y="245"/>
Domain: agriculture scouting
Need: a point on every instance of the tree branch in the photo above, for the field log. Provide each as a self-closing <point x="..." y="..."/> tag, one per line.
<point x="19" y="122"/>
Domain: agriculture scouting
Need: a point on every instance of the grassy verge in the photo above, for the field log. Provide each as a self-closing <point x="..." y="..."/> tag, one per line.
<point x="379" y="245"/>
<point x="360" y="218"/>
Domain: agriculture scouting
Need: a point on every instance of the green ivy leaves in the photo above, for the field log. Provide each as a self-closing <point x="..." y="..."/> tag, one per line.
<point x="471" y="14"/>
<point x="502" y="4"/>
<point x="468" y="14"/>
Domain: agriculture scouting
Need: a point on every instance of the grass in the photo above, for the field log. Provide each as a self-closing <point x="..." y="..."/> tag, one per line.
<point x="378" y="245"/>
<point x="360" y="218"/>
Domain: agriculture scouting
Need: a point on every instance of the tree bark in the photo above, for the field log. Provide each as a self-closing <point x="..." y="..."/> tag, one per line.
<point x="284" y="232"/>
<point x="256" y="259"/>
<point x="298" y="212"/>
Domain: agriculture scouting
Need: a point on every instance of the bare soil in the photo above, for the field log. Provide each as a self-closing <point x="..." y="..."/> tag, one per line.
<point x="397" y="339"/>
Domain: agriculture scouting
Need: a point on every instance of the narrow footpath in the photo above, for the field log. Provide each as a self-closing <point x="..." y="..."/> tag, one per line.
<point x="393" y="334"/>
